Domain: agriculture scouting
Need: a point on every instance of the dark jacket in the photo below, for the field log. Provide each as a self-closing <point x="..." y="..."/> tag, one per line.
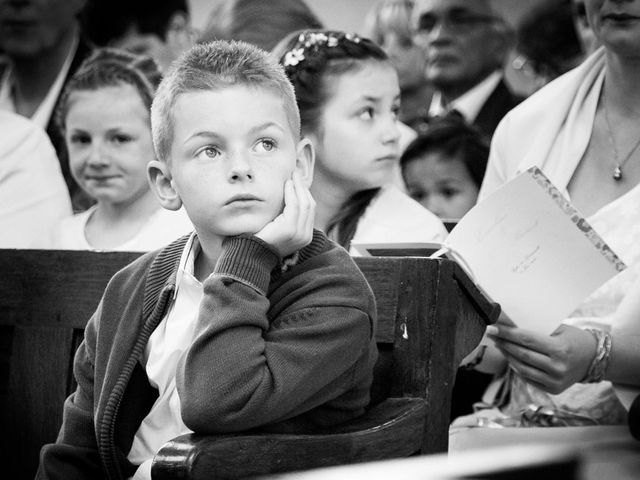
<point x="277" y="350"/>
<point x="495" y="108"/>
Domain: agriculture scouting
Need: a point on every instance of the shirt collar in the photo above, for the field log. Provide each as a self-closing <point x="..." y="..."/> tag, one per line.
<point x="186" y="267"/>
<point x="469" y="103"/>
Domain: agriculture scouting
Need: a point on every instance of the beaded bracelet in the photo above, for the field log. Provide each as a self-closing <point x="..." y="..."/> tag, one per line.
<point x="600" y="361"/>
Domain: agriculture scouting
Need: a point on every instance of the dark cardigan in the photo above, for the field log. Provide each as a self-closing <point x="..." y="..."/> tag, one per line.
<point x="297" y="358"/>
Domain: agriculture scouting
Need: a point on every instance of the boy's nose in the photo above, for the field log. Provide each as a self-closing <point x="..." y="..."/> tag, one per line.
<point x="239" y="168"/>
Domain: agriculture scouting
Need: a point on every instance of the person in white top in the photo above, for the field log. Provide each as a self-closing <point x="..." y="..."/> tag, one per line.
<point x="105" y="116"/>
<point x="348" y="94"/>
<point x="582" y="130"/>
<point x="33" y="195"/>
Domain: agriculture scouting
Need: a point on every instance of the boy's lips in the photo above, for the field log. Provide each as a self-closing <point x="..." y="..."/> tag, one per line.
<point x="388" y="158"/>
<point x="242" y="198"/>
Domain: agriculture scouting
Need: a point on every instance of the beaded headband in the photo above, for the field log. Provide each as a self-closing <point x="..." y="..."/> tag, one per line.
<point x="311" y="42"/>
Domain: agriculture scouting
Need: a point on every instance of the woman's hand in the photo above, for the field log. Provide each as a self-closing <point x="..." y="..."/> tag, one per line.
<point x="551" y="363"/>
<point x="293" y="228"/>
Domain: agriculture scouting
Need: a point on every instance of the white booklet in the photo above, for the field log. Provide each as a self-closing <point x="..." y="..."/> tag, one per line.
<point x="529" y="249"/>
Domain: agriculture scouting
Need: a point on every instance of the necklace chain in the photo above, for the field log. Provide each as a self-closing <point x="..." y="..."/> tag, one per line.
<point x="617" y="171"/>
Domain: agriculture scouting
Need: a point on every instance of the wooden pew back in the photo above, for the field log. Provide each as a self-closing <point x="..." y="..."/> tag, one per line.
<point x="429" y="317"/>
<point x="46" y="299"/>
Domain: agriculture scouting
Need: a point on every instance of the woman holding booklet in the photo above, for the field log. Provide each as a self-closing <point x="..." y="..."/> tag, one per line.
<point x="583" y="132"/>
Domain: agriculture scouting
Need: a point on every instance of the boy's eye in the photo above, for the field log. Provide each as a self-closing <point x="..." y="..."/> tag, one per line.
<point x="266" y="145"/>
<point x="208" y="152"/>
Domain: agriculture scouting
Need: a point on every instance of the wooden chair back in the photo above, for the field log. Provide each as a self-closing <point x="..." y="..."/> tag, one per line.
<point x="429" y="317"/>
<point x="46" y="299"/>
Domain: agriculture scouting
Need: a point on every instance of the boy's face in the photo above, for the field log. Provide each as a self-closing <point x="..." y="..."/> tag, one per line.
<point x="231" y="154"/>
<point x="441" y="185"/>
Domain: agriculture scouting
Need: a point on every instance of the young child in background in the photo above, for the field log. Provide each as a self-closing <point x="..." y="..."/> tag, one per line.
<point x="443" y="168"/>
<point x="348" y="95"/>
<point x="105" y="116"/>
<point x="255" y="320"/>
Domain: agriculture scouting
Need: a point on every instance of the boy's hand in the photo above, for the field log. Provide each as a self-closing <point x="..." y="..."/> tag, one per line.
<point x="293" y="228"/>
<point x="551" y="363"/>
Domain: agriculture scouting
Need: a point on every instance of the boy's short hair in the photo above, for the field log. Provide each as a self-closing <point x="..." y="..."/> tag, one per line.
<point x="452" y="136"/>
<point x="216" y="66"/>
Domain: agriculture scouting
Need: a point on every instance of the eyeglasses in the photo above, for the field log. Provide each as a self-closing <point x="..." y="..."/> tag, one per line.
<point x="459" y="21"/>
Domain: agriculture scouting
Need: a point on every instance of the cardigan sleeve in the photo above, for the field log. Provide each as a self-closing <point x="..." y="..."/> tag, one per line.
<point x="244" y="369"/>
<point x="75" y="453"/>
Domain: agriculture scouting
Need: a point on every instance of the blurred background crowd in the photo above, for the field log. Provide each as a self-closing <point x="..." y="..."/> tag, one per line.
<point x="511" y="50"/>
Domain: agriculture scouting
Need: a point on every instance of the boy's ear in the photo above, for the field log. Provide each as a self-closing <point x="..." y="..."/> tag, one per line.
<point x="305" y="160"/>
<point x="162" y="185"/>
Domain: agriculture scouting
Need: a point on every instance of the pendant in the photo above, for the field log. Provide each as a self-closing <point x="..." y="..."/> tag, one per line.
<point x="617" y="173"/>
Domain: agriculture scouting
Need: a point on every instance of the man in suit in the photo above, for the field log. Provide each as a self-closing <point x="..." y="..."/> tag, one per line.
<point x="465" y="44"/>
<point x="42" y="41"/>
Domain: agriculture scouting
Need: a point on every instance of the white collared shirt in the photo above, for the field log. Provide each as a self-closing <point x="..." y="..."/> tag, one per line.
<point x="166" y="345"/>
<point x="43" y="113"/>
<point x="469" y="103"/>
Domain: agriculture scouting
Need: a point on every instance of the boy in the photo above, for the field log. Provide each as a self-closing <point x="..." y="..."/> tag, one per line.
<point x="279" y="334"/>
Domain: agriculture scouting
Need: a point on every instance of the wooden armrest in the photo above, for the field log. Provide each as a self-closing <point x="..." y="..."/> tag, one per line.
<point x="391" y="429"/>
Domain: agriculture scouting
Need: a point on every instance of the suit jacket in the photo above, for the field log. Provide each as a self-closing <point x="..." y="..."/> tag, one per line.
<point x="80" y="201"/>
<point x="277" y="350"/>
<point x="497" y="105"/>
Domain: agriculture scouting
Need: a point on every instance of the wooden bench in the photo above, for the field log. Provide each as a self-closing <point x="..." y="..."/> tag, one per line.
<point x="430" y="317"/>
